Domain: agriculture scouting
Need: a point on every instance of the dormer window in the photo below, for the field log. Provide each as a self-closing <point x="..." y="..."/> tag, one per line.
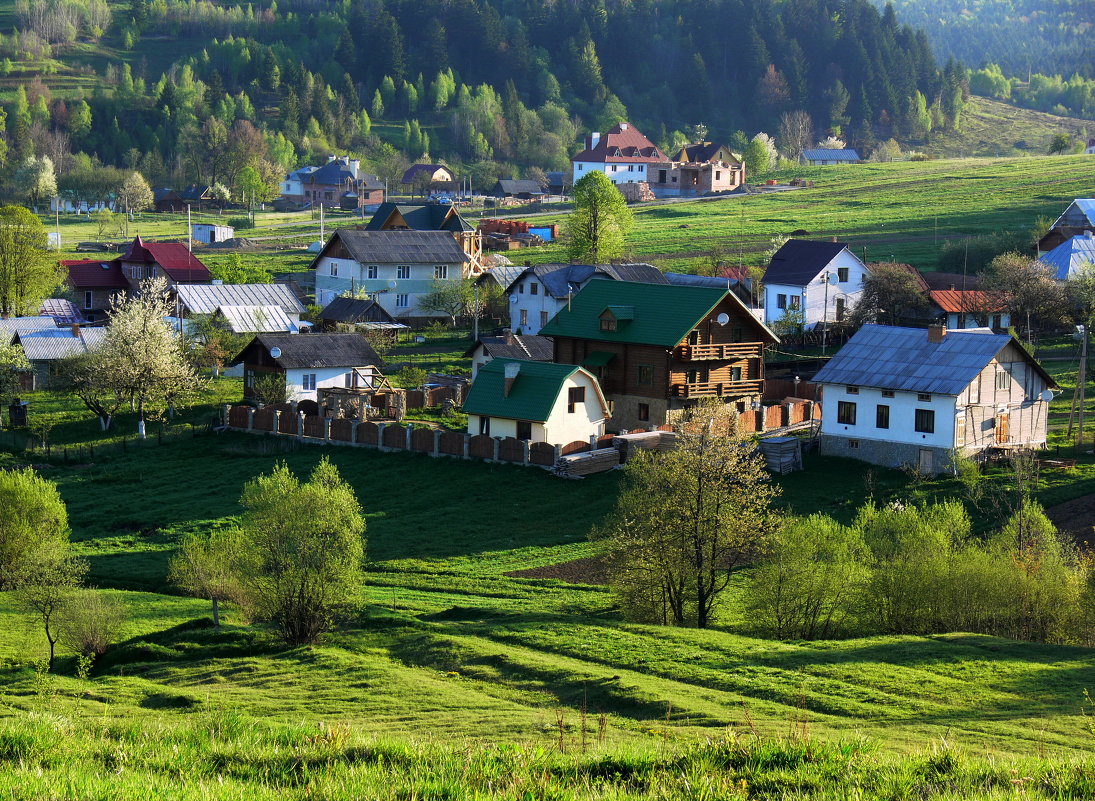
<point x="608" y="323"/>
<point x="613" y="316"/>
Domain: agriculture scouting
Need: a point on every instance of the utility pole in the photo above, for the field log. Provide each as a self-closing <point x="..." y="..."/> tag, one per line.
<point x="825" y="316"/>
<point x="1081" y="382"/>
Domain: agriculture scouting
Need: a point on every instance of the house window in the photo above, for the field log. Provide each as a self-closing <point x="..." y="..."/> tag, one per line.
<point x="735" y="374"/>
<point x="524" y="429"/>
<point x="842" y="275"/>
<point x="524" y="316"/>
<point x="644" y="411"/>
<point x="544" y="318"/>
<point x="718" y="175"/>
<point x="575" y="395"/>
<point x="372" y="271"/>
<point x="89" y="300"/>
<point x="692" y="377"/>
<point x="403" y="300"/>
<point x="781" y="301"/>
<point x="349" y="380"/>
<point x="845" y="413"/>
<point x="521" y="289"/>
<point x="925" y="421"/>
<point x="249" y="378"/>
<point x="853" y="444"/>
<point x="308" y="381"/>
<point x="882" y="416"/>
<point x="614" y="168"/>
<point x="403" y="271"/>
<point x="852" y="390"/>
<point x="534" y="288"/>
<point x="334" y="269"/>
<point x="924" y="396"/>
<point x="1003" y="380"/>
<point x="484" y="425"/>
<point x="795" y="301"/>
<point x="960" y="430"/>
<point x="840" y="308"/>
<point x="975" y="390"/>
<point x="646" y="375"/>
<point x="887" y="393"/>
<point x="581" y="167"/>
<point x="441" y="272"/>
<point x="737" y="334"/>
<point x="608" y="323"/>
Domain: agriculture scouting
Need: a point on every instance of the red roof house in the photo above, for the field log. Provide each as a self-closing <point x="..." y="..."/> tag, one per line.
<point x="623" y="153"/>
<point x="971" y="308"/>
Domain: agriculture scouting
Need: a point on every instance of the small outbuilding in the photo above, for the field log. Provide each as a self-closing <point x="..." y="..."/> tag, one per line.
<point x="211" y="233"/>
<point x="536" y="401"/>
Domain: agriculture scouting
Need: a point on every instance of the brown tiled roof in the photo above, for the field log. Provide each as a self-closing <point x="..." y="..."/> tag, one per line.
<point x="95" y="274"/>
<point x="622" y="143"/>
<point x="970" y="300"/>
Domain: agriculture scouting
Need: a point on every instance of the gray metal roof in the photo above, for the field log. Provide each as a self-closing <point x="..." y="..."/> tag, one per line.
<point x="59" y="343"/>
<point x="823" y="154"/>
<point x="257" y="319"/>
<point x="686" y="279"/>
<point x="207" y="298"/>
<point x="560" y="280"/>
<point x="400" y="247"/>
<point x="1071" y="256"/>
<point x="501" y="274"/>
<point x="10" y="326"/>
<point x="889" y="357"/>
<point x="799" y="261"/>
<point x="315" y="350"/>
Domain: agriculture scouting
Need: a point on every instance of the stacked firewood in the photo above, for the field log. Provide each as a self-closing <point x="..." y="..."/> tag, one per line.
<point x="577" y="465"/>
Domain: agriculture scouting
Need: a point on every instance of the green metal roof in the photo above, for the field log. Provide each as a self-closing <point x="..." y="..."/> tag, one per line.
<point x="532" y="396"/>
<point x="662" y="314"/>
<point x="622" y="312"/>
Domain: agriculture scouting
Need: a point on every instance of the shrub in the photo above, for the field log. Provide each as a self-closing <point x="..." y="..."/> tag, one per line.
<point x="241" y="223"/>
<point x="91" y="623"/>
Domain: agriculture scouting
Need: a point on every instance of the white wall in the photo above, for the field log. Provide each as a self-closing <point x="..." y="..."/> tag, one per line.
<point x="618" y="173"/>
<point x="325" y="377"/>
<point x="352" y="276"/>
<point x="812" y="297"/>
<point x="531" y="305"/>
<point x="902" y="416"/>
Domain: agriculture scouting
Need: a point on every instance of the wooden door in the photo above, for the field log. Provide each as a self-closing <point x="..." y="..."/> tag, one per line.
<point x="926" y="462"/>
<point x="1003" y="429"/>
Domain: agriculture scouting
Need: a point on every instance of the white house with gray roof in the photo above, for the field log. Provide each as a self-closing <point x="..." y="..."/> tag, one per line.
<point x="819" y="280"/>
<point x="395" y="267"/>
<point x="907" y="396"/>
<point x="46" y="346"/>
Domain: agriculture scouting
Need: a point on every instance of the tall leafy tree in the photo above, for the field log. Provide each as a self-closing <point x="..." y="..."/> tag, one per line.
<point x="595" y="230"/>
<point x="27" y="273"/>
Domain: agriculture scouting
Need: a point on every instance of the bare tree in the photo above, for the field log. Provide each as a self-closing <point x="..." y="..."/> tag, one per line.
<point x="796" y="131"/>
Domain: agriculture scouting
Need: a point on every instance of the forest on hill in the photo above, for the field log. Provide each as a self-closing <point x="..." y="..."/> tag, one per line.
<point x="498" y="87"/>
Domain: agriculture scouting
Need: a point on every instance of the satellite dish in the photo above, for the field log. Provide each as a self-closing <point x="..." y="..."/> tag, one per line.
<point x="275" y="352"/>
<point x="513" y="299"/>
<point x="1046" y="395"/>
<point x="723" y="319"/>
<point x="392" y="284"/>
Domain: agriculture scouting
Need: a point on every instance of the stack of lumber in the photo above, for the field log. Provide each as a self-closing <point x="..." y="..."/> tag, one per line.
<point x="783" y="454"/>
<point x="628" y="444"/>
<point x="584" y="464"/>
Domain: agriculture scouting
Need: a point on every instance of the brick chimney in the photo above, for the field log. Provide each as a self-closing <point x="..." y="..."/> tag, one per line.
<point x="936" y="333"/>
<point x="512" y="369"/>
<point x="508" y="334"/>
<point x="76" y="330"/>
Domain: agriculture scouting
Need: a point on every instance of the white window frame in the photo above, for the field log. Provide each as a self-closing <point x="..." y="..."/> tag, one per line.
<point x="334" y="269"/>
<point x="441" y="272"/>
<point x="89" y="299"/>
<point x="403" y="272"/>
<point x="372" y="271"/>
<point x="402" y="300"/>
<point x="308" y="382"/>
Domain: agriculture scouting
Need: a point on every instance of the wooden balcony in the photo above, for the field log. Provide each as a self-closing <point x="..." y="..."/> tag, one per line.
<point x="732" y="350"/>
<point x="717" y="389"/>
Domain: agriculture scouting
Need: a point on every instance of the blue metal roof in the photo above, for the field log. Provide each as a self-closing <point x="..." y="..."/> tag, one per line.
<point x="888" y="357"/>
<point x="1070" y="256"/>
<point x="822" y="154"/>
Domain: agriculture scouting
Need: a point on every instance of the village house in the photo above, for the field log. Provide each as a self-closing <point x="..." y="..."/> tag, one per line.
<point x="507" y="189"/>
<point x="509" y="346"/>
<point x="363" y="313"/>
<point x="536" y="401"/>
<point x="95" y="284"/>
<point x="308" y="362"/>
<point x="1076" y="220"/>
<point x="657" y="348"/>
<point x="821" y="157"/>
<point x="1071" y="256"/>
<point x="431" y="217"/>
<point x="244" y="308"/>
<point x="970" y="308"/>
<point x="211" y="233"/>
<point x="699" y="169"/>
<point x="905" y="396"/>
<point x="292" y="185"/>
<point x="45" y="345"/>
<point x="538" y="292"/>
<point x="821" y="281"/>
<point x="622" y="153"/>
<point x="430" y="178"/>
<point x="339" y="183"/>
<point x="395" y="267"/>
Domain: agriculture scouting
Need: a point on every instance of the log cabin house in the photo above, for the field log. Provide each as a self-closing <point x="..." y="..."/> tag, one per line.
<point x="658" y="348"/>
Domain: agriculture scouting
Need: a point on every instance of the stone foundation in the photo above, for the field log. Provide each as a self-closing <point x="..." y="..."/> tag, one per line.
<point x="886" y="454"/>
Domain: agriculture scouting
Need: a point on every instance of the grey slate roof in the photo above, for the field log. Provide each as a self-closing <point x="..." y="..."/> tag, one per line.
<point x="502" y="274"/>
<point x="516" y="346"/>
<point x="559" y="280"/>
<point x="58" y="343"/>
<point x="823" y="154"/>
<point x="316" y="350"/>
<point x="685" y="279"/>
<point x="889" y="357"/>
<point x="799" y="261"/>
<point x="355" y="310"/>
<point x="207" y="298"/>
<point x="506" y="186"/>
<point x="399" y="247"/>
<point x="420" y="217"/>
<point x="252" y="319"/>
